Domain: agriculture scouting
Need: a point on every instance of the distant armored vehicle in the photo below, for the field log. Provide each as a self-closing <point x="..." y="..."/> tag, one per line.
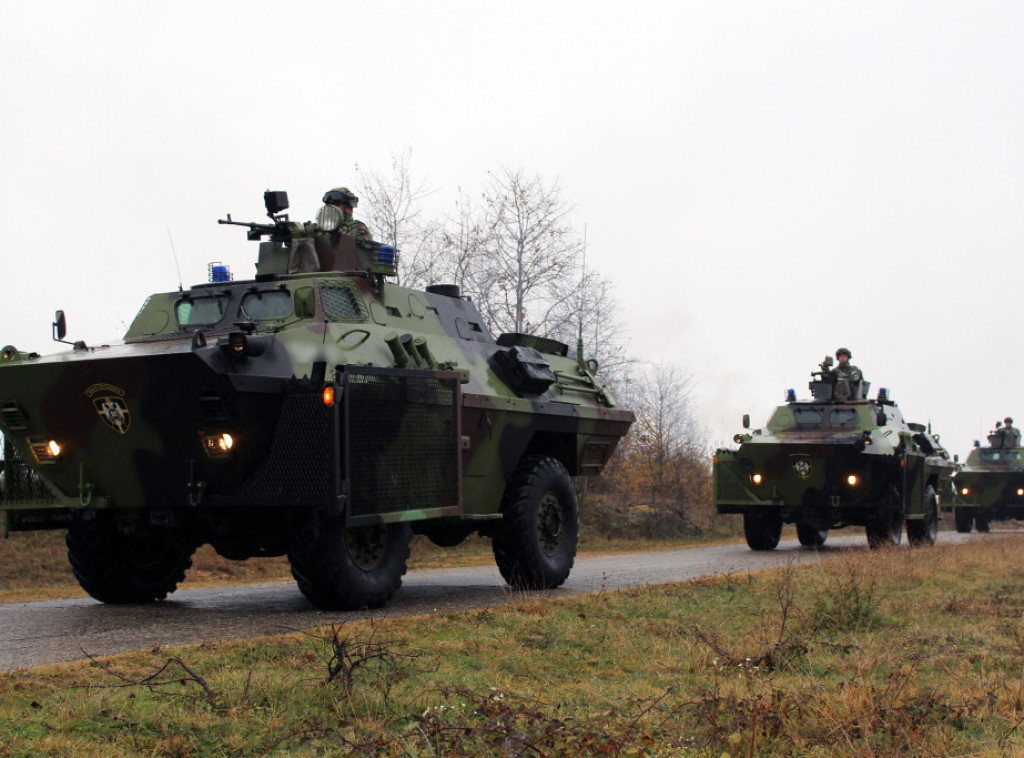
<point x="990" y="485"/>
<point x="318" y="411"/>
<point x="827" y="463"/>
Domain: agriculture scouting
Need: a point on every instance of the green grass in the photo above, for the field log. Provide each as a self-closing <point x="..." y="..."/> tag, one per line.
<point x="901" y="652"/>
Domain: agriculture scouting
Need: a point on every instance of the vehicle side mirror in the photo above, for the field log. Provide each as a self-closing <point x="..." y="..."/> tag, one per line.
<point x="60" y="326"/>
<point x="746" y="420"/>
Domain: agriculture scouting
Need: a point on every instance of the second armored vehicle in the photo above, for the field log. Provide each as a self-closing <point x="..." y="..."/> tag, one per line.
<point x="318" y="410"/>
<point x="990" y="485"/>
<point x="827" y="463"/>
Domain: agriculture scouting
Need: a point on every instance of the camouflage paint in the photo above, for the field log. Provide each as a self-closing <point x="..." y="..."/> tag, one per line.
<point x="140" y="423"/>
<point x="993" y="478"/>
<point x="805" y="468"/>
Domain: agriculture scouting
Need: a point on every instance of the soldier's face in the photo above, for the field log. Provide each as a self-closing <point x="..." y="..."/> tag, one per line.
<point x="843" y="358"/>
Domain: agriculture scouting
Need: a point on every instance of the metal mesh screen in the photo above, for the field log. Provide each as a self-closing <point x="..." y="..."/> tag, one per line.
<point x="403" y="442"/>
<point x="18" y="481"/>
<point x="299" y="464"/>
<point x="341" y="303"/>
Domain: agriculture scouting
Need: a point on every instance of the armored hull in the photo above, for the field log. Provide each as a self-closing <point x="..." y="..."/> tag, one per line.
<point x="325" y="415"/>
<point x="823" y="464"/>
<point x="989" y="487"/>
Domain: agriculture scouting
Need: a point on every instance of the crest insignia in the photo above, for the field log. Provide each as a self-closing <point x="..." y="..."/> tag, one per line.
<point x="111" y="406"/>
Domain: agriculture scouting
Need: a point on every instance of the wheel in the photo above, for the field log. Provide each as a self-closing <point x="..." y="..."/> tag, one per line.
<point x="341" y="568"/>
<point x="117" y="567"/>
<point x="762" y="528"/>
<point x="810" y="536"/>
<point x="983" y="522"/>
<point x="963" y="518"/>
<point x="924" y="531"/>
<point x="535" y="547"/>
<point x="887" y="527"/>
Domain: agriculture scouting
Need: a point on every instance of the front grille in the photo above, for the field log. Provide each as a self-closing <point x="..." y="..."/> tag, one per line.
<point x="403" y="436"/>
<point x="18" y="481"/>
<point x="298" y="466"/>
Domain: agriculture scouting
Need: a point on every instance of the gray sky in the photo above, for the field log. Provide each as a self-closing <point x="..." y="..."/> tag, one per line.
<point x="763" y="182"/>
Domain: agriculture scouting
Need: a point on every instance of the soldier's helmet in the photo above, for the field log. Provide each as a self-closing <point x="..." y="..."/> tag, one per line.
<point x="1007" y="420"/>
<point x="341" y="196"/>
<point x="844" y="351"/>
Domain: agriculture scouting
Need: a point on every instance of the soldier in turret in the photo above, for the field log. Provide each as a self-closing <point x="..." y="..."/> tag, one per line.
<point x="345" y="200"/>
<point x="1009" y="434"/>
<point x="846" y="377"/>
<point x="845" y="369"/>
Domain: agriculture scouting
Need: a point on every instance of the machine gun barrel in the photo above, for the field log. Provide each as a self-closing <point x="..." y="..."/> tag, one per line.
<point x="258" y="231"/>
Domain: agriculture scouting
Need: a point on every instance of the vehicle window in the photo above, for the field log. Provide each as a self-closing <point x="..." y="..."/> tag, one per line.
<point x="808" y="416"/>
<point x="341" y="304"/>
<point x="193" y="311"/>
<point x="271" y="304"/>
<point x="843" y="416"/>
<point x="999" y="456"/>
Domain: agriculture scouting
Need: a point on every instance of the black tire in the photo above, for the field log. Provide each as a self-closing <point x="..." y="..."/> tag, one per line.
<point x="535" y="546"/>
<point x="116" y="567"/>
<point x="762" y="528"/>
<point x="886" y="529"/>
<point x="341" y="568"/>
<point x="964" y="519"/>
<point x="923" y="532"/>
<point x="810" y="535"/>
<point x="983" y="522"/>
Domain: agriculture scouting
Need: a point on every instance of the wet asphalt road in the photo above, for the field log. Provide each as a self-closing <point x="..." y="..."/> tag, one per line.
<point x="34" y="634"/>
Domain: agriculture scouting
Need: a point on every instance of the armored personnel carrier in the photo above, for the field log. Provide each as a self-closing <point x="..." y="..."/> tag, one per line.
<point x="827" y="463"/>
<point x="990" y="485"/>
<point x="318" y="410"/>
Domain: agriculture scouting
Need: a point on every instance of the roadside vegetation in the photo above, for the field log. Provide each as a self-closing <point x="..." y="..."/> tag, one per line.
<point x="891" y="652"/>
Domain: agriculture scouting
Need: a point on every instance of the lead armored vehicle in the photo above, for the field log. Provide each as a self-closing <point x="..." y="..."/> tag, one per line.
<point x="318" y="410"/>
<point x="990" y="485"/>
<point x="836" y="460"/>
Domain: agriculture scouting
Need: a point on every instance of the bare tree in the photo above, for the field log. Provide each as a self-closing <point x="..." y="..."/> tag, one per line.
<point x="590" y="314"/>
<point x="460" y="247"/>
<point x="666" y="445"/>
<point x="516" y="254"/>
<point x="392" y="203"/>
<point x="533" y="250"/>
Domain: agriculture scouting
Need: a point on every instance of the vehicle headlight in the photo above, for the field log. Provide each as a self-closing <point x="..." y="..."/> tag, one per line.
<point x="44" y="450"/>
<point x="852" y="480"/>
<point x="218" y="445"/>
<point x="756" y="478"/>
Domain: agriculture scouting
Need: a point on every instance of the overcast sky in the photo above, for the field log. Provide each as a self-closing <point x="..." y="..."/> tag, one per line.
<point x="763" y="182"/>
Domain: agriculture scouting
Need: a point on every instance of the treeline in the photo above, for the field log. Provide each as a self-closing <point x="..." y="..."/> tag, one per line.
<point x="513" y="247"/>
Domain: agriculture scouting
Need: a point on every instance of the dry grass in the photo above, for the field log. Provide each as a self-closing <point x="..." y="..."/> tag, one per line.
<point x="875" y="653"/>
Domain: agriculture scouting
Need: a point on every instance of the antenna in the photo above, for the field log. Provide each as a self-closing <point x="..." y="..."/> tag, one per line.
<point x="175" y="254"/>
<point x="583" y="277"/>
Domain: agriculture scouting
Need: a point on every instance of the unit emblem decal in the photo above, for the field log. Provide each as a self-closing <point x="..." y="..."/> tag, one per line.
<point x="802" y="467"/>
<point x="111" y="406"/>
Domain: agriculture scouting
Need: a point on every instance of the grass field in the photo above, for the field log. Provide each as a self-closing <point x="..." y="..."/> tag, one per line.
<point x="902" y="652"/>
